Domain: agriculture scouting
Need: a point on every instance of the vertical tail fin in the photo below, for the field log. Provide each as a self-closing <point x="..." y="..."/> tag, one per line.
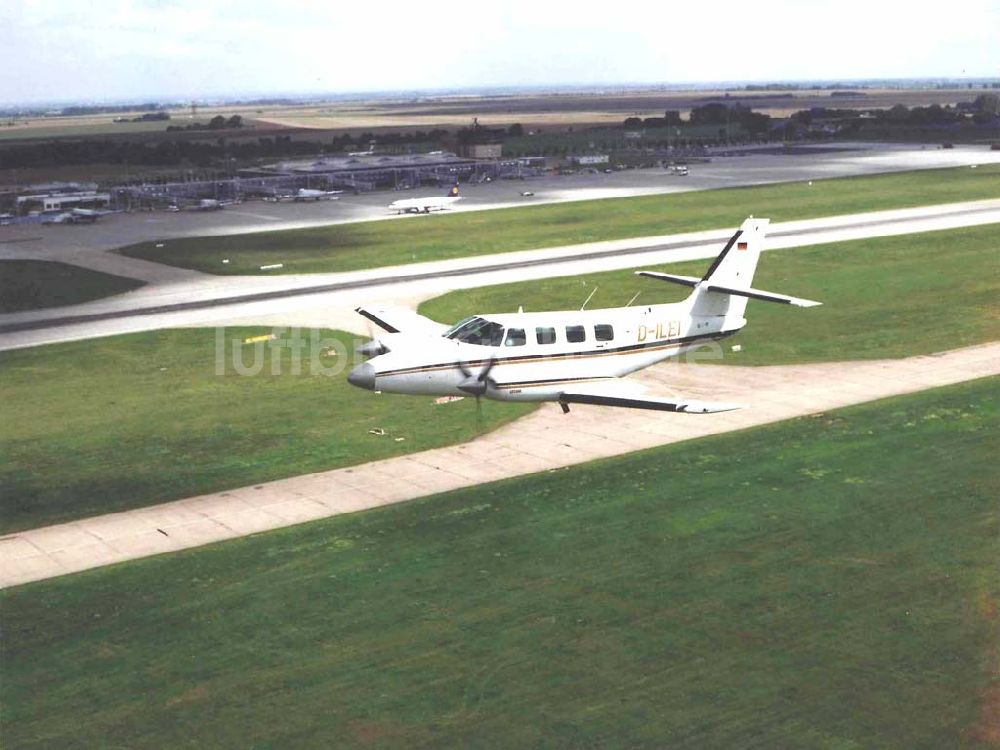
<point x="737" y="262"/>
<point x="734" y="267"/>
<point x="725" y="288"/>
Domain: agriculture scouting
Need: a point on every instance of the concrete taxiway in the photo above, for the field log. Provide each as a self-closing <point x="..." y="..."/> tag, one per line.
<point x="545" y="440"/>
<point x="328" y="300"/>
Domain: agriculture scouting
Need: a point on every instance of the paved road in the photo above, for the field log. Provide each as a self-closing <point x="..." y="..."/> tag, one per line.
<point x="329" y="299"/>
<point x="545" y="440"/>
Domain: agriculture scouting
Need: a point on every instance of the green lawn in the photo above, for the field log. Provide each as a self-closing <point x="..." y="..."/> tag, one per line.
<point x="121" y="422"/>
<point x="32" y="284"/>
<point x="116" y="432"/>
<point x="882" y="297"/>
<point x="346" y="247"/>
<point x="826" y="582"/>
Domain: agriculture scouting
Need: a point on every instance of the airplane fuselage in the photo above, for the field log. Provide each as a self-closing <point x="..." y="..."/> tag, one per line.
<point x="422" y="205"/>
<point x="535" y="356"/>
<point x="572" y="357"/>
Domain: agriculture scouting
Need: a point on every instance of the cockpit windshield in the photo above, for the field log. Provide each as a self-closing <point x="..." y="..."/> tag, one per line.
<point x="476" y="331"/>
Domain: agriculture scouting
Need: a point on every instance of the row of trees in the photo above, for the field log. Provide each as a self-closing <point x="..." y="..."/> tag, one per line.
<point x="713" y="113"/>
<point x="216" y="123"/>
<point x="985" y="109"/>
<point x="190" y="151"/>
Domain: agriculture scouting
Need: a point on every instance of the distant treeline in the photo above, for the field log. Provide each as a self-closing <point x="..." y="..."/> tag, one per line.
<point x="147" y="117"/>
<point x="984" y="110"/>
<point x="198" y="153"/>
<point x="216" y="123"/>
<point x="715" y="113"/>
<point x="102" y="109"/>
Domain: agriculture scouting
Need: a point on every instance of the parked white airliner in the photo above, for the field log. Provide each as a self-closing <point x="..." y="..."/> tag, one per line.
<point x="428" y="204"/>
<point x="572" y="357"/>
<point x="305" y="194"/>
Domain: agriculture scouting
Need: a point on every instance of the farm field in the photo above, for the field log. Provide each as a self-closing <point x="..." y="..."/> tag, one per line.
<point x="545" y="110"/>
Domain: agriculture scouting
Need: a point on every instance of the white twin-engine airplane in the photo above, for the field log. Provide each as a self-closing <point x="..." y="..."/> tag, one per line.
<point x="426" y="205"/>
<point x="571" y="357"/>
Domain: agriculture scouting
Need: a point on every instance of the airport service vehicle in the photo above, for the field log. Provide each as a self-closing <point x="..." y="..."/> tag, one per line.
<point x="428" y="204"/>
<point x="571" y="357"/>
<point x="680" y="170"/>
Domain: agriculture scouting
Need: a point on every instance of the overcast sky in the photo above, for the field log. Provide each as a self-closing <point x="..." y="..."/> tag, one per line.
<point x="55" y="50"/>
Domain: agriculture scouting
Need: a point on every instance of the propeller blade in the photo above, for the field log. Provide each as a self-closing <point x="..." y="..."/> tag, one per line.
<point x="372" y="349"/>
<point x="473" y="386"/>
<point x="477" y="385"/>
<point x="484" y="376"/>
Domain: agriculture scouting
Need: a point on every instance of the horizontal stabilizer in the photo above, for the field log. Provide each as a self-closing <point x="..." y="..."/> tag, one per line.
<point x="673" y="278"/>
<point x="629" y="394"/>
<point x="763" y="296"/>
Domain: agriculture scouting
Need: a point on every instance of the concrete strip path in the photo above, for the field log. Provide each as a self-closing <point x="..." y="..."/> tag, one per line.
<point x="542" y="441"/>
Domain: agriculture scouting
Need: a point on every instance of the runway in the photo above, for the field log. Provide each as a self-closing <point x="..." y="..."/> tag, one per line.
<point x="327" y="300"/>
<point x="544" y="441"/>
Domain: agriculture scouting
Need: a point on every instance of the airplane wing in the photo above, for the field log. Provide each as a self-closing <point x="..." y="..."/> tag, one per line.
<point x="393" y="319"/>
<point x="629" y="394"/>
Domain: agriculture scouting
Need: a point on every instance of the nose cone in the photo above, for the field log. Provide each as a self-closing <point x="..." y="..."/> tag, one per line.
<point x="363" y="376"/>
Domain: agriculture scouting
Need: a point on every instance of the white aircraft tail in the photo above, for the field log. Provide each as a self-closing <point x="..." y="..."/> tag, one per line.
<point x="725" y="287"/>
<point x="733" y="268"/>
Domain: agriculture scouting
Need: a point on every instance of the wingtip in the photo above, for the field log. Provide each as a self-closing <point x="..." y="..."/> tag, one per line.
<point x="709" y="407"/>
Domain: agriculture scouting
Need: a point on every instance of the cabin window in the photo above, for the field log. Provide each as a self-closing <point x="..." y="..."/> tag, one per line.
<point x="477" y="331"/>
<point x="603" y="332"/>
<point x="545" y="335"/>
<point x="575" y="334"/>
<point x="515" y="337"/>
<point x="450" y="333"/>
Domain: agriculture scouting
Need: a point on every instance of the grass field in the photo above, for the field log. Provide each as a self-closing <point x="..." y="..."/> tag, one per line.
<point x="827" y="582"/>
<point x="115" y="423"/>
<point x="117" y="432"/>
<point x="33" y="284"/>
<point x="345" y="247"/>
<point x="882" y="297"/>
